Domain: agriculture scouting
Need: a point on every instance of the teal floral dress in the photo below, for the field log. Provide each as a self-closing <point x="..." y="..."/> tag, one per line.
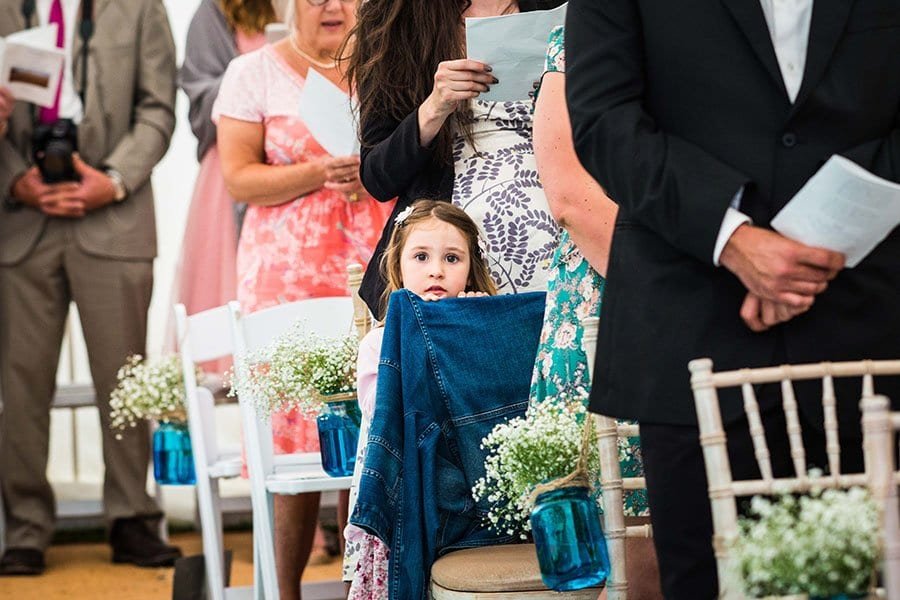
<point x="574" y="292"/>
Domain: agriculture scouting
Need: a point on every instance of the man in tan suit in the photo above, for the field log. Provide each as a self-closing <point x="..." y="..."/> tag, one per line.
<point x="92" y="242"/>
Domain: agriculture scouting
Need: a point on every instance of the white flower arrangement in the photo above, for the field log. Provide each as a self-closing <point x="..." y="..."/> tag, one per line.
<point x="148" y="389"/>
<point x="822" y="544"/>
<point x="541" y="446"/>
<point x="297" y="370"/>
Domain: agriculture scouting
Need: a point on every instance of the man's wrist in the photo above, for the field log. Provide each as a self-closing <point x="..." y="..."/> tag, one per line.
<point x="120" y="191"/>
<point x="731" y="251"/>
<point x="731" y="221"/>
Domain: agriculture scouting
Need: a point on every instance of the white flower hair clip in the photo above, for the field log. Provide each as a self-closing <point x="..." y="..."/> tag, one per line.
<point x="400" y="219"/>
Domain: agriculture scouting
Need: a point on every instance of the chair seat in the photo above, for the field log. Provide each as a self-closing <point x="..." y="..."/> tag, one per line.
<point x="226" y="467"/>
<point x="302" y="482"/>
<point x="508" y="568"/>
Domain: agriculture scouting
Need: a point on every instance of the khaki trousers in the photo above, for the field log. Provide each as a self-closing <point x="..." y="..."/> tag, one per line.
<point x="112" y="298"/>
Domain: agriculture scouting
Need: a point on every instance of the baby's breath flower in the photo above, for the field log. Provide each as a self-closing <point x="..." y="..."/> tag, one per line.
<point x="147" y="389"/>
<point x="296" y="370"/>
<point x="543" y="445"/>
<point x="822" y="544"/>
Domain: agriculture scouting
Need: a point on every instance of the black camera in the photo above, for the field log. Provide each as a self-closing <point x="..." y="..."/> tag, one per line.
<point x="52" y="148"/>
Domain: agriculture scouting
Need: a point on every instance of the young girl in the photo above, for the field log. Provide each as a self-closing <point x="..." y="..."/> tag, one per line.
<point x="434" y="253"/>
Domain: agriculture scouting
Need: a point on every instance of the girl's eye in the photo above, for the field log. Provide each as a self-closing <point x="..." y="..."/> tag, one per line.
<point x="452" y="258"/>
<point x="420" y="256"/>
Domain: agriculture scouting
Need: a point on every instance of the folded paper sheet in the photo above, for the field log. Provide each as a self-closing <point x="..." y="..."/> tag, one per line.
<point x="31" y="64"/>
<point x="329" y="115"/>
<point x="515" y="46"/>
<point x="843" y="208"/>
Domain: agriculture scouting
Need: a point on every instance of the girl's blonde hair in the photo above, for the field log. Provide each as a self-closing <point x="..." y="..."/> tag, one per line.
<point x="422" y="210"/>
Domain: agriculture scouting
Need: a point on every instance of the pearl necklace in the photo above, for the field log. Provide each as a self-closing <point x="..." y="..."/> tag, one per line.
<point x="296" y="48"/>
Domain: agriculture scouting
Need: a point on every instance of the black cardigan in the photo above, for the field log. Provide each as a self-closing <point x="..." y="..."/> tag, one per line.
<point x="394" y="164"/>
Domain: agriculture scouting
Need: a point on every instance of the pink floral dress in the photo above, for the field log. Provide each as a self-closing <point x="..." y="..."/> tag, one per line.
<point x="365" y="556"/>
<point x="299" y="249"/>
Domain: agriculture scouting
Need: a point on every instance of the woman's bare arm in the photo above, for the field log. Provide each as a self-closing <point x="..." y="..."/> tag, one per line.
<point x="576" y="200"/>
<point x="247" y="176"/>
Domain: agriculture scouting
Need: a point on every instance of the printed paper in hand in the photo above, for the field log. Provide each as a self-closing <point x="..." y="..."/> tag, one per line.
<point x="515" y="46"/>
<point x="329" y="115"/>
<point x="31" y="64"/>
<point x="843" y="208"/>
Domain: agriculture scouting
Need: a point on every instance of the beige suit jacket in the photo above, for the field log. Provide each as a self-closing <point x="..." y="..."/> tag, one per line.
<point x="128" y="121"/>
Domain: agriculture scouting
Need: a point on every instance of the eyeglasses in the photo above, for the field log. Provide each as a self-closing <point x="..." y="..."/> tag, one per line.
<point x="324" y="2"/>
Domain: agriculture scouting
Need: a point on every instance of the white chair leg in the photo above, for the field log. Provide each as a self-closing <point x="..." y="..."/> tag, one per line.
<point x="211" y="531"/>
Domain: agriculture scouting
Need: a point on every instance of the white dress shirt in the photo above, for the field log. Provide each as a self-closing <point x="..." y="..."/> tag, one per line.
<point x="69" y="101"/>
<point x="788" y="22"/>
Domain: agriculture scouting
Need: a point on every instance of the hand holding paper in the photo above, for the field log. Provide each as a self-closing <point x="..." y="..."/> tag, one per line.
<point x="31" y="65"/>
<point x="843" y="208"/>
<point x="329" y="115"/>
<point x="515" y="46"/>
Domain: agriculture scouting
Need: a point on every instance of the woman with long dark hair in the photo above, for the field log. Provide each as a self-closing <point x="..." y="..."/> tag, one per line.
<point x="425" y="134"/>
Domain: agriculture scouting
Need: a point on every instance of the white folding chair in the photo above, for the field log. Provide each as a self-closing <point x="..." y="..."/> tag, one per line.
<point x="287" y="474"/>
<point x="201" y="337"/>
<point x="612" y="484"/>
<point x="879" y="475"/>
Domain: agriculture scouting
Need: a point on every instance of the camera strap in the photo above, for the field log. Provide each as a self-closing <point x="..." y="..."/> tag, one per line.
<point x="85" y="31"/>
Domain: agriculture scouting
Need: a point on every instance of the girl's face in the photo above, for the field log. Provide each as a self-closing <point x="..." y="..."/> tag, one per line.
<point x="435" y="260"/>
<point x="323" y="27"/>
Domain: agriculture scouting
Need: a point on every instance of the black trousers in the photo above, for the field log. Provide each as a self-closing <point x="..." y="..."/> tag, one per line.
<point x="677" y="491"/>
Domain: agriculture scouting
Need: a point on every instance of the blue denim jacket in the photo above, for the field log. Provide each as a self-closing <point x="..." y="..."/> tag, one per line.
<point x="449" y="371"/>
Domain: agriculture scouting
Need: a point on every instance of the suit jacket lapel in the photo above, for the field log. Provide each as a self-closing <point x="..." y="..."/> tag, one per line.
<point x="750" y="18"/>
<point x="828" y="21"/>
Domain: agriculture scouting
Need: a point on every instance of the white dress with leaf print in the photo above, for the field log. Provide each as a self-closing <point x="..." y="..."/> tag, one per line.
<point x="497" y="184"/>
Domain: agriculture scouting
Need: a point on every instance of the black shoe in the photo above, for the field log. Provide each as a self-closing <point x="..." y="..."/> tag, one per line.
<point x="22" y="561"/>
<point x="133" y="541"/>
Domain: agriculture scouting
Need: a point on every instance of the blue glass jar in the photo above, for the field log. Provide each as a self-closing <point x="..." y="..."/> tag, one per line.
<point x="571" y="547"/>
<point x="339" y="424"/>
<point x="173" y="458"/>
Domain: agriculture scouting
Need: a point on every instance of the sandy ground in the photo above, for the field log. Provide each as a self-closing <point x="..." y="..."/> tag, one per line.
<point x="84" y="571"/>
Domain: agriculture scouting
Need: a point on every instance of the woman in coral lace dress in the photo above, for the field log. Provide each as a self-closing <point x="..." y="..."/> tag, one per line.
<point x="308" y="214"/>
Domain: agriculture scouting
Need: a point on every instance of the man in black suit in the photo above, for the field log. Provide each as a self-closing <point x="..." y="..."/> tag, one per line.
<point x="702" y="119"/>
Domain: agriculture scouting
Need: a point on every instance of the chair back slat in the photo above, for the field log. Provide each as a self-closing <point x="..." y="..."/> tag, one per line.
<point x="206" y="407"/>
<point x="718" y="469"/>
<point x="794" y="485"/>
<point x="880" y="455"/>
<point x="326" y="316"/>
<point x="891" y="508"/>
<point x="611" y="482"/>
<point x="725" y="379"/>
<point x="757" y="433"/>
<point x="629" y="430"/>
<point x="362" y="318"/>
<point x="792" y="417"/>
<point x="210" y="333"/>
<point x="832" y="440"/>
<point x="868" y="387"/>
